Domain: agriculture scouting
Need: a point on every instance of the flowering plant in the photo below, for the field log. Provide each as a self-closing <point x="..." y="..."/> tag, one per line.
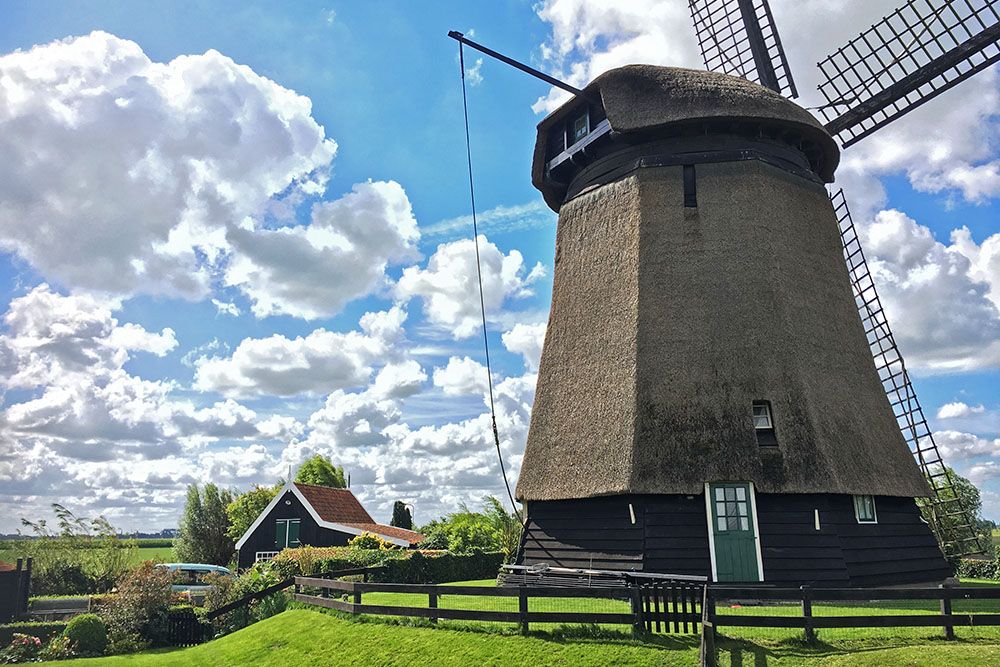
<point x="22" y="648"/>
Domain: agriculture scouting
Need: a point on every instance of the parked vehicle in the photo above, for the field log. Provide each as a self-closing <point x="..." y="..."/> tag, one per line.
<point x="194" y="579"/>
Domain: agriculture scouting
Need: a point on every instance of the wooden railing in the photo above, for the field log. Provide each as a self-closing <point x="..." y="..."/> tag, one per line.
<point x="805" y="596"/>
<point x="330" y="591"/>
<point x="282" y="585"/>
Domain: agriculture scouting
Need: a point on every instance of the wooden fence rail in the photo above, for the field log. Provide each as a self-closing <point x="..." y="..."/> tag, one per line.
<point x="805" y="596"/>
<point x="523" y="616"/>
<point x="282" y="585"/>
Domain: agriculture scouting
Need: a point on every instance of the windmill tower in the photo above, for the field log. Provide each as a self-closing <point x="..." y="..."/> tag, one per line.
<point x="709" y="401"/>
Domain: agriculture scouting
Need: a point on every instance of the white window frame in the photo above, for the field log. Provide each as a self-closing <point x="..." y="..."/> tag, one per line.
<point x="857" y="514"/>
<point x="767" y="413"/>
<point x="264" y="556"/>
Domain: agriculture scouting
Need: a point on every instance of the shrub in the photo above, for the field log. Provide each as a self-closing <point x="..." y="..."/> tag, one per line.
<point x="60" y="648"/>
<point x="87" y="631"/>
<point x="22" y="648"/>
<point x="969" y="568"/>
<point x="140" y="608"/>
<point x="227" y="589"/>
<point x="42" y="630"/>
<point x="401" y="566"/>
<point x="81" y="556"/>
<point x="370" y="541"/>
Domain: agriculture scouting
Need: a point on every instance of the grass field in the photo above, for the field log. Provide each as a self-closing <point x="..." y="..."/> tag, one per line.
<point x="141" y="554"/>
<point x="300" y="637"/>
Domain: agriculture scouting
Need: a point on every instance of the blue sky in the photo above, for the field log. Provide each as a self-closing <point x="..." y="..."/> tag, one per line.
<point x="130" y="373"/>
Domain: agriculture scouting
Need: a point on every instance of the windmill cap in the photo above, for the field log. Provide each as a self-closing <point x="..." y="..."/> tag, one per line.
<point x="640" y="100"/>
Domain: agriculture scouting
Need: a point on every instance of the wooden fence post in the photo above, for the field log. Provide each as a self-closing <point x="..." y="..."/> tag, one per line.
<point x="807" y="612"/>
<point x="949" y="628"/>
<point x="635" y="598"/>
<point x="26" y="586"/>
<point x="432" y="602"/>
<point x="522" y="608"/>
<point x="357" y="597"/>
<point x="707" y="628"/>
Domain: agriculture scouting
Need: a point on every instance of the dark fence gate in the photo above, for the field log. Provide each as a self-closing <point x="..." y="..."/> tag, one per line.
<point x="670" y="602"/>
<point x="186" y="629"/>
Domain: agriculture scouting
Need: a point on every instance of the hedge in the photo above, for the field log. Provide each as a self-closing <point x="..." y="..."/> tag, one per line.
<point x="971" y="568"/>
<point x="401" y="566"/>
<point x="44" y="630"/>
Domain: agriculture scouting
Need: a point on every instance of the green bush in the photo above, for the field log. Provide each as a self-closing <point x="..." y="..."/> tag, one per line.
<point x="43" y="630"/>
<point x="401" y="566"/>
<point x="227" y="589"/>
<point x="88" y="633"/>
<point x="969" y="568"/>
<point x="138" y="613"/>
<point x="370" y="541"/>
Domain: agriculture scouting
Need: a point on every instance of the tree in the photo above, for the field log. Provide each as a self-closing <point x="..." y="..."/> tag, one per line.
<point x="466" y="531"/>
<point x="320" y="471"/>
<point x="401" y="517"/>
<point x="203" y="535"/>
<point x="969" y="498"/>
<point x="246" y="507"/>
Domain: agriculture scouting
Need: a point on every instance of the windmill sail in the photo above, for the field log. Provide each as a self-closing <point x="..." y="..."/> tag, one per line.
<point x="738" y="37"/>
<point x="950" y="518"/>
<point x="911" y="56"/>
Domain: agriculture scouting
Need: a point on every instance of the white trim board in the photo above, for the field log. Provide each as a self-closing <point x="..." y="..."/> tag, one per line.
<point x="350" y="530"/>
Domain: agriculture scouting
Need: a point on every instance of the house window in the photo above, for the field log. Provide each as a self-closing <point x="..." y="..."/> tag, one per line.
<point x="286" y="533"/>
<point x="864" y="509"/>
<point x="264" y="556"/>
<point x="579" y="128"/>
<point x="763" y="424"/>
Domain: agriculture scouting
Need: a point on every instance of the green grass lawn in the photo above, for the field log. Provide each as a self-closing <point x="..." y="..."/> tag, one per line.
<point x="309" y="635"/>
<point x="303" y="637"/>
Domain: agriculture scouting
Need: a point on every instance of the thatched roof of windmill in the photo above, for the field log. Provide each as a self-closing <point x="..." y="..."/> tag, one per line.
<point x="639" y="99"/>
<point x="668" y="322"/>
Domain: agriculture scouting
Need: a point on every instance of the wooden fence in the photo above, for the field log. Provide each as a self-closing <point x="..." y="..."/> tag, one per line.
<point x="330" y="591"/>
<point x="804" y="597"/>
<point x="282" y="585"/>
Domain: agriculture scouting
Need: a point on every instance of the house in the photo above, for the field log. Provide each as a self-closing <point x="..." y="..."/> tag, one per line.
<point x="319" y="516"/>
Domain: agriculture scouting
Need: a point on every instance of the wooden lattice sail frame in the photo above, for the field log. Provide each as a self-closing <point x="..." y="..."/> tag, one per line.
<point x="947" y="513"/>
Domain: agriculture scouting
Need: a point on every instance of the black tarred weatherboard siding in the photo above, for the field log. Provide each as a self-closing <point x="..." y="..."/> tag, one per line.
<point x="670" y="535"/>
<point x="289" y="507"/>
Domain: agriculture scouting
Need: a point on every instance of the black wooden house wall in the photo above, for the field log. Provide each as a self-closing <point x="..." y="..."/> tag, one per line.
<point x="670" y="535"/>
<point x="311" y="533"/>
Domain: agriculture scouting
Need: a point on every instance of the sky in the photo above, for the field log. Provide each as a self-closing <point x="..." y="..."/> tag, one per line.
<point x="236" y="234"/>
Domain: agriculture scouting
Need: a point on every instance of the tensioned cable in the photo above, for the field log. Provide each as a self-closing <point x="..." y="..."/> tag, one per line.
<point x="479" y="276"/>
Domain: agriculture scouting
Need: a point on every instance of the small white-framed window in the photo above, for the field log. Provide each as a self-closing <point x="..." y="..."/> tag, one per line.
<point x="264" y="556"/>
<point x="864" y="509"/>
<point x="762" y="416"/>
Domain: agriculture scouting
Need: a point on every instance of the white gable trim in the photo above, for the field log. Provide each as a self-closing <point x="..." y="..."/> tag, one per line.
<point x="350" y="530"/>
<point x="260" y="518"/>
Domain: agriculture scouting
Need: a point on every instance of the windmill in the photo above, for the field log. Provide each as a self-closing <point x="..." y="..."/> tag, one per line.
<point x="709" y="401"/>
<point x="911" y="56"/>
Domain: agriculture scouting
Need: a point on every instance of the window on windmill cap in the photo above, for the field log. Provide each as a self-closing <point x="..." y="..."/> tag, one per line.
<point x="762" y="415"/>
<point x="580" y="128"/>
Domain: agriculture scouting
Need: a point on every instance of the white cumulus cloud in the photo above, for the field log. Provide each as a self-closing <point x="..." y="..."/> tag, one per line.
<point x="449" y="288"/>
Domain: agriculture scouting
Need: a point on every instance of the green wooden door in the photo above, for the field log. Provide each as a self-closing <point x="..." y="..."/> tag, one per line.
<point x="734" y="532"/>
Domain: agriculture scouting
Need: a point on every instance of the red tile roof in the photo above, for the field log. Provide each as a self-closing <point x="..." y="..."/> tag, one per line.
<point x="335" y="505"/>
<point x="341" y="506"/>
<point x="388" y="531"/>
